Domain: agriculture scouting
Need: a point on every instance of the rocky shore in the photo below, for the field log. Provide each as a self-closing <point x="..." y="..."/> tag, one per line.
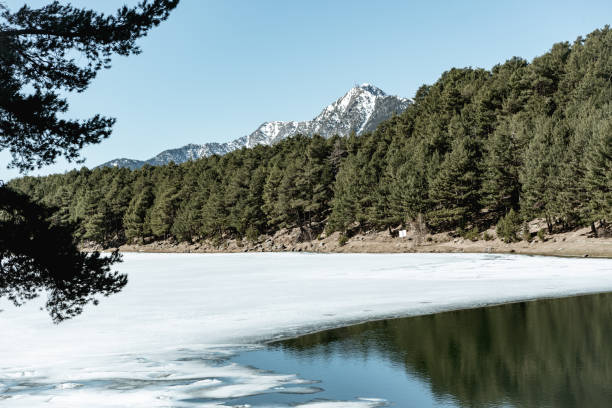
<point x="577" y="243"/>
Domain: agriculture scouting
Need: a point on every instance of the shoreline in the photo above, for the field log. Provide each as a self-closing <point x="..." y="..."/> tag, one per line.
<point x="436" y="250"/>
<point x="577" y="243"/>
<point x="280" y="338"/>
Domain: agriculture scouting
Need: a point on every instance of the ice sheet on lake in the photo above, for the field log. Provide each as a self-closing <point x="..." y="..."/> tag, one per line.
<point x="164" y="341"/>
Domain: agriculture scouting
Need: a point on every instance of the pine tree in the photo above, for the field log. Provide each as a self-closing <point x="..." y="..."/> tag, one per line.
<point x="407" y="192"/>
<point x="570" y="204"/>
<point x="318" y="175"/>
<point x="235" y="197"/>
<point x="293" y="194"/>
<point x="136" y="217"/>
<point x="186" y="225"/>
<point x="45" y="53"/>
<point x="97" y="226"/>
<point x="344" y="204"/>
<point x="164" y="207"/>
<point x="337" y="154"/>
<point x="509" y="226"/>
<point x="598" y="178"/>
<point x="254" y="213"/>
<point x="63" y="204"/>
<point x="274" y="212"/>
<point x="188" y="220"/>
<point x="405" y="179"/>
<point x="38" y="64"/>
<point x="454" y="189"/>
<point x="501" y="186"/>
<point x="537" y="173"/>
<point x="118" y="198"/>
<point x="214" y="214"/>
<point x="93" y="226"/>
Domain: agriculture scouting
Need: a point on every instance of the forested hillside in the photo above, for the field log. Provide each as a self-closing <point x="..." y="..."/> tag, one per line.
<point x="475" y="149"/>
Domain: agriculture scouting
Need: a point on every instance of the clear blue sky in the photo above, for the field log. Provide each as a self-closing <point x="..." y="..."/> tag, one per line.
<point x="217" y="69"/>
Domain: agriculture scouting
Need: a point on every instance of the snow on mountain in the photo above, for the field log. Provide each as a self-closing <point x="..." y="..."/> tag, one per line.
<point x="129" y="163"/>
<point x="360" y="110"/>
<point x="194" y="151"/>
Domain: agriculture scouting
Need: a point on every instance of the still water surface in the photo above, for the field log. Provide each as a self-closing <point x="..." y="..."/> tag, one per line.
<point x="548" y="353"/>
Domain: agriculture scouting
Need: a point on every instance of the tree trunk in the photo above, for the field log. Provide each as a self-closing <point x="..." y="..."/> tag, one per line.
<point x="549" y="225"/>
<point x="593" y="229"/>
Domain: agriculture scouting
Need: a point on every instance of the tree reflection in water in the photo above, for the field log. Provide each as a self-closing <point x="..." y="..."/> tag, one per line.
<point x="545" y="353"/>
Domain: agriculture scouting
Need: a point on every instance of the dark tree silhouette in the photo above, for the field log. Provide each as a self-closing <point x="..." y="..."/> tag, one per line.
<point x="36" y="256"/>
<point x="43" y="53"/>
<point x="38" y="51"/>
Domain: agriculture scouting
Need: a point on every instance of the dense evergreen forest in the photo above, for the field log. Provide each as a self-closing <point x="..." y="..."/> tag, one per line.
<point x="475" y="149"/>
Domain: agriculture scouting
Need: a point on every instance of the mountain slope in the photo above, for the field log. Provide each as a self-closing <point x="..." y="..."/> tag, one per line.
<point x="360" y="110"/>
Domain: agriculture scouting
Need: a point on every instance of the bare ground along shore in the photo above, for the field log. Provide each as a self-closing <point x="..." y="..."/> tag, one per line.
<point x="577" y="243"/>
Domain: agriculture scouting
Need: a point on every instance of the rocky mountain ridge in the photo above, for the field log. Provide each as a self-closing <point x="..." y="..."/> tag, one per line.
<point x="360" y="110"/>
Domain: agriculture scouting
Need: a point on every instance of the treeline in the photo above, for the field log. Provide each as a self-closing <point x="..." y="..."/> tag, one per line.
<point x="476" y="148"/>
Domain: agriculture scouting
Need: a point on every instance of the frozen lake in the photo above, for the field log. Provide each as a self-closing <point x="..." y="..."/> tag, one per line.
<point x="166" y="339"/>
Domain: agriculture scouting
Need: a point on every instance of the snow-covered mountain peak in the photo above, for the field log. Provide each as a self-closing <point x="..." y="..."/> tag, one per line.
<point x="372" y="89"/>
<point x="360" y="110"/>
<point x="364" y="95"/>
<point x="357" y="110"/>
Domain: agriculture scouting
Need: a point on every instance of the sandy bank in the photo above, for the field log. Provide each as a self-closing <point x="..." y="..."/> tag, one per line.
<point x="577" y="243"/>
